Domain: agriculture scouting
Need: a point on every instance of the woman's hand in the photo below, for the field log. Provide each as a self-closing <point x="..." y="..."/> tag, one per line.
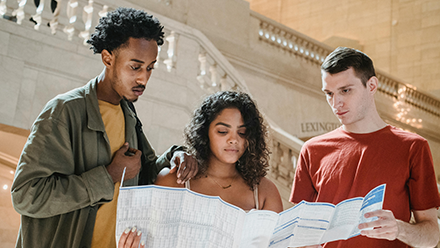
<point x="130" y="238"/>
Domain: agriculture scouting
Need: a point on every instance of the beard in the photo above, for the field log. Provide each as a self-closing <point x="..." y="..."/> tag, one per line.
<point x="128" y="100"/>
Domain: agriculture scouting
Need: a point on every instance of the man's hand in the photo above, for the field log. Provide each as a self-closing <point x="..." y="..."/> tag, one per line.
<point x="423" y="233"/>
<point x="185" y="165"/>
<point x="125" y="157"/>
<point x="385" y="227"/>
<point x="130" y="239"/>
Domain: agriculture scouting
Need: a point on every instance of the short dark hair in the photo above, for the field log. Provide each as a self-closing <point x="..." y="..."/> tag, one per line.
<point x="114" y="30"/>
<point x="343" y="58"/>
<point x="253" y="164"/>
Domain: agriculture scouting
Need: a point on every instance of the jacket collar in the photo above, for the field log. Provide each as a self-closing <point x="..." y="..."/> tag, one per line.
<point x="94" y="120"/>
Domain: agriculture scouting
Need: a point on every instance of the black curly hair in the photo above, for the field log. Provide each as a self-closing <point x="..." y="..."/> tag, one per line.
<point x="253" y="164"/>
<point x="114" y="30"/>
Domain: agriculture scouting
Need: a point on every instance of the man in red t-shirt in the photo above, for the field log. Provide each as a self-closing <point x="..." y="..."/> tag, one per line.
<point x="364" y="153"/>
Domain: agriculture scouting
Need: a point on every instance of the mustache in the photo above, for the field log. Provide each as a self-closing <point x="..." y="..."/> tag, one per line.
<point x="140" y="87"/>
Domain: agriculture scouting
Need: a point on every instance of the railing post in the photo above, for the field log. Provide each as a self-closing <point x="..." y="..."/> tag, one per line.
<point x="213" y="72"/>
<point x="37" y="17"/>
<point x="157" y="64"/>
<point x="19" y="13"/>
<point x="53" y="24"/>
<point x="72" y="6"/>
<point x="275" y="159"/>
<point x="103" y="12"/>
<point x="202" y="70"/>
<point x="172" y="44"/>
<point x="87" y="19"/>
<point x="2" y="8"/>
<point x="294" y="164"/>
<point x="224" y="83"/>
<point x="202" y="60"/>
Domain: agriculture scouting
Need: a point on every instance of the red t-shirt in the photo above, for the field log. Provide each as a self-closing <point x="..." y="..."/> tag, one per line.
<point x="340" y="165"/>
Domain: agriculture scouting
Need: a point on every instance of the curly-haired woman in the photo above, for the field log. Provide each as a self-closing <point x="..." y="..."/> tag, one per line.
<point x="227" y="138"/>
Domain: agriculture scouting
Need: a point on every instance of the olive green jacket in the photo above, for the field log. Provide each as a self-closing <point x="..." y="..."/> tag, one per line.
<point x="61" y="178"/>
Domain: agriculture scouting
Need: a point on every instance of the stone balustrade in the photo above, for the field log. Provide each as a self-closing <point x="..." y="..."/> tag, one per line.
<point x="212" y="77"/>
<point x="285" y="152"/>
<point x="408" y="94"/>
<point x="295" y="43"/>
<point x="76" y="18"/>
<point x="292" y="42"/>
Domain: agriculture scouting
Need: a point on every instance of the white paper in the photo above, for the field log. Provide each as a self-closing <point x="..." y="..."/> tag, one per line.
<point x="317" y="223"/>
<point x="179" y="217"/>
<point x="257" y="229"/>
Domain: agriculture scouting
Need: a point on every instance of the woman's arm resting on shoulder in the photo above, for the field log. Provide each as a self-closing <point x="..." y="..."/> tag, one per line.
<point x="423" y="233"/>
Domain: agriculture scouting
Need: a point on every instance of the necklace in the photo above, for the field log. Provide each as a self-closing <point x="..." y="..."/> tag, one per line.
<point x="223" y="187"/>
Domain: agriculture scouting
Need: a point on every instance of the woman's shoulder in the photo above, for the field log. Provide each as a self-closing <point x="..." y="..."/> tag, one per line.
<point x="266" y="186"/>
<point x="164" y="178"/>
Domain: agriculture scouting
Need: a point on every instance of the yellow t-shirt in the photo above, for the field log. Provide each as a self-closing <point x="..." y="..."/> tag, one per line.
<point x="105" y="224"/>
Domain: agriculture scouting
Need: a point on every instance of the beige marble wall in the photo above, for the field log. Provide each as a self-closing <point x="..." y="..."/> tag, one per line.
<point x="403" y="37"/>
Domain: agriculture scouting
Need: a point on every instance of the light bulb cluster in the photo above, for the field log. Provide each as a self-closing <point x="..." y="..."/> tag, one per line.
<point x="402" y="114"/>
